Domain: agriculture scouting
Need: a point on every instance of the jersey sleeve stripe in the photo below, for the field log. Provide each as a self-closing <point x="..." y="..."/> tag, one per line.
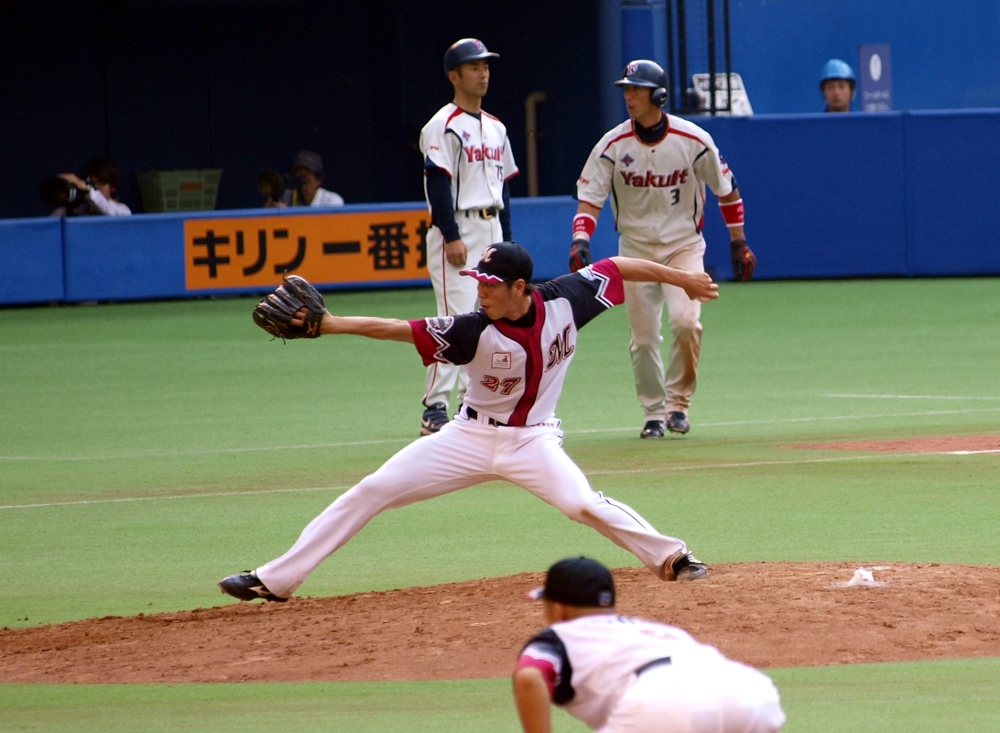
<point x="672" y="131"/>
<point x="612" y="290"/>
<point x="613" y="141"/>
<point x="427" y="346"/>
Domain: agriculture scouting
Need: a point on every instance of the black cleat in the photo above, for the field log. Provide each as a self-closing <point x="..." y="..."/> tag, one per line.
<point x="247" y="587"/>
<point x="685" y="567"/>
<point x="652" y="429"/>
<point x="677" y="422"/>
<point x="435" y="417"/>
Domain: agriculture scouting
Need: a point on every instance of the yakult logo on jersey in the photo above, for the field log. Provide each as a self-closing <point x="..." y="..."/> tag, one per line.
<point x="628" y="160"/>
<point x="559" y="350"/>
<point x="483" y="152"/>
<point x="655" y="180"/>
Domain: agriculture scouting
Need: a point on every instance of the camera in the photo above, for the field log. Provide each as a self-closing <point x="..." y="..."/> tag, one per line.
<point x="59" y="193"/>
<point x="280" y="187"/>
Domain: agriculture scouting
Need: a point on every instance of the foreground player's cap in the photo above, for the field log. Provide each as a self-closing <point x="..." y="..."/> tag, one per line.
<point x="578" y="581"/>
<point x="503" y="262"/>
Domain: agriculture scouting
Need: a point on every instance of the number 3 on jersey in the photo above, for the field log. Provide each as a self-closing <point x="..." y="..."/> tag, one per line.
<point x="495" y="384"/>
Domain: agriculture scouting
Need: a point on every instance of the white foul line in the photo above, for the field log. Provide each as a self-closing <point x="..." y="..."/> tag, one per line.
<point x="664" y="469"/>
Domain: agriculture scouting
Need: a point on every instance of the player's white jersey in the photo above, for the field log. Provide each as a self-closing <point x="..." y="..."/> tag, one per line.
<point x="657" y="189"/>
<point x="590" y="661"/>
<point x="475" y="153"/>
<point x="516" y="368"/>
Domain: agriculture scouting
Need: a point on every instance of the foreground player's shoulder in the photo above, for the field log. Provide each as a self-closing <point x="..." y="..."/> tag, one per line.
<point x="493" y="119"/>
<point x="689" y="132"/>
<point x="618" y="135"/>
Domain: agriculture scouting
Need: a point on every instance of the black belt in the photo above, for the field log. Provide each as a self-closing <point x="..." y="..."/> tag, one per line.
<point x="482" y="213"/>
<point x="649" y="665"/>
<point x="473" y="415"/>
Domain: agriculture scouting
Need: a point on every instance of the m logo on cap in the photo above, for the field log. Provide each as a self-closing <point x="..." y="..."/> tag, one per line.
<point x="631" y="69"/>
<point x="487" y="254"/>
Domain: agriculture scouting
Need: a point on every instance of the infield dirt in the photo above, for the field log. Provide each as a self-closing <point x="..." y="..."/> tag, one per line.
<point x="777" y="614"/>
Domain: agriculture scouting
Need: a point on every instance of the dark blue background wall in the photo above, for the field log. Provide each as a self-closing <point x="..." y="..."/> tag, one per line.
<point x="168" y="84"/>
<point x="241" y="85"/>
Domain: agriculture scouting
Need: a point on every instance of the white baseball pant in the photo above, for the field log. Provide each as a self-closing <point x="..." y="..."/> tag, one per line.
<point x="724" y="697"/>
<point x="462" y="454"/>
<point x="659" y="392"/>
<point x="455" y="294"/>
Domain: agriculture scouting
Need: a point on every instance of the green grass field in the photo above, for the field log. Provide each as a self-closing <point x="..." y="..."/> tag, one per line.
<point x="148" y="449"/>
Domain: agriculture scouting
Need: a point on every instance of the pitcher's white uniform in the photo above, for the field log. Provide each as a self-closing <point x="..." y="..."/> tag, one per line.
<point x="626" y="675"/>
<point x="507" y="429"/>
<point x="474" y="151"/>
<point x="658" y="197"/>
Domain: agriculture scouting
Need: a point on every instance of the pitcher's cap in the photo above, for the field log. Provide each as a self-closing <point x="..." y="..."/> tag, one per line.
<point x="502" y="262"/>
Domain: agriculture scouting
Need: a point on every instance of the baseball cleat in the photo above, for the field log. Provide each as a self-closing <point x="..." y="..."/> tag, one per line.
<point x="247" y="587"/>
<point x="435" y="417"/>
<point x="652" y="429"/>
<point x="677" y="422"/>
<point x="684" y="566"/>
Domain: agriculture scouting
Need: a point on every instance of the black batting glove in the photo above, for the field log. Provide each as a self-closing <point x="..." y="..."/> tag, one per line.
<point x="744" y="261"/>
<point x="579" y="255"/>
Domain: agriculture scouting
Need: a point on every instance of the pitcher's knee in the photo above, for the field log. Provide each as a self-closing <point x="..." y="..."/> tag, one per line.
<point x="686" y="328"/>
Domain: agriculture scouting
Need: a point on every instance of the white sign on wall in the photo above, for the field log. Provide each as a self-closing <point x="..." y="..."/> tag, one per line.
<point x="741" y="101"/>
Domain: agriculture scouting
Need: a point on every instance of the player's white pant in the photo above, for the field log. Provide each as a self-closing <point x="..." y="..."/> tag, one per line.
<point x="455" y="294"/>
<point x="465" y="453"/>
<point x="661" y="393"/>
<point x="727" y="697"/>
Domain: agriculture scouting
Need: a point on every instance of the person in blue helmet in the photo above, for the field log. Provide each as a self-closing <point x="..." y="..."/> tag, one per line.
<point x="838" y="84"/>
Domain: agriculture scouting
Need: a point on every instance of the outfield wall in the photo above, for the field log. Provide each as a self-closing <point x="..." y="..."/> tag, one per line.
<point x="827" y="196"/>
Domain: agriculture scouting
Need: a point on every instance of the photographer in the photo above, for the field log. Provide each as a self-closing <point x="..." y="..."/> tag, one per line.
<point x="92" y="192"/>
<point x="302" y="187"/>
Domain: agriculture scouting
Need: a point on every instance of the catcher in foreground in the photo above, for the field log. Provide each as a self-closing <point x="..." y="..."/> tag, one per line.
<point x="516" y="350"/>
<point x="629" y="675"/>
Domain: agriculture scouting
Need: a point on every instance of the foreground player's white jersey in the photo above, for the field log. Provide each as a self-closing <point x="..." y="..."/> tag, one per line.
<point x="657" y="189"/>
<point x="517" y="368"/>
<point x="474" y="151"/>
<point x="590" y="661"/>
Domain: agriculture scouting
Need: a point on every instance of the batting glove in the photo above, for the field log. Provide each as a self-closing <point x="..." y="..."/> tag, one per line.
<point x="744" y="261"/>
<point x="579" y="255"/>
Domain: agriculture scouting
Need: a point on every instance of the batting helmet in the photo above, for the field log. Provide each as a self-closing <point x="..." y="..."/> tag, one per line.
<point x="645" y="73"/>
<point x="837" y="69"/>
<point x="465" y="50"/>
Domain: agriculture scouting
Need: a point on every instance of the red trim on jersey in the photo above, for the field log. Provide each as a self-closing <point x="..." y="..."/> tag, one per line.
<point x="515" y="173"/>
<point x="544" y="666"/>
<point x="426" y="344"/>
<point x="620" y="137"/>
<point x="453" y="115"/>
<point x="530" y="339"/>
<point x="663" y="137"/>
<point x="484" y="112"/>
<point x="615" y="291"/>
<point x="686" y="134"/>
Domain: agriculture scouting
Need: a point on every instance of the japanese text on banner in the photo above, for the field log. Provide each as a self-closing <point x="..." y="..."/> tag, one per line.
<point x="323" y="248"/>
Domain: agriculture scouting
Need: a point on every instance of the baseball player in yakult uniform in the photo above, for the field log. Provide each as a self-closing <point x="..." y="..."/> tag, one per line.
<point x="467" y="163"/>
<point x="626" y="675"/>
<point x="515" y="350"/>
<point x="655" y="168"/>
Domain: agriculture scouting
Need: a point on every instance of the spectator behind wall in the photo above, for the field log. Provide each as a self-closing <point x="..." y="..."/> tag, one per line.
<point x="303" y="185"/>
<point x="838" y="83"/>
<point x="92" y="192"/>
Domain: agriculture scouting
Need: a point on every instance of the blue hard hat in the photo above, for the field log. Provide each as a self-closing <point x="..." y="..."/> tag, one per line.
<point x="837" y="69"/>
<point x="465" y="50"/>
<point x="646" y="73"/>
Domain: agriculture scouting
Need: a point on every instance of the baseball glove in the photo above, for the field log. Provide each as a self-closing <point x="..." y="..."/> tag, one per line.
<point x="275" y="312"/>
<point x="579" y="255"/>
<point x="744" y="261"/>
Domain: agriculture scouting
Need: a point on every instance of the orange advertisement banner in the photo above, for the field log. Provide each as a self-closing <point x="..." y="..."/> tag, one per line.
<point x="375" y="246"/>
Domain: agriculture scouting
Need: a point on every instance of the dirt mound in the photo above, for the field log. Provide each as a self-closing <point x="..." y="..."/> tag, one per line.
<point x="766" y="614"/>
